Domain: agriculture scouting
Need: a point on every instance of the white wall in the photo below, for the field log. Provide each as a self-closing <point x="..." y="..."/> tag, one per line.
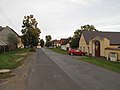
<point x="63" y="47"/>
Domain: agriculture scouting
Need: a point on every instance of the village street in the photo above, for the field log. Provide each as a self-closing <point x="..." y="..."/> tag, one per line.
<point x="53" y="71"/>
<point x="59" y="44"/>
<point x="47" y="70"/>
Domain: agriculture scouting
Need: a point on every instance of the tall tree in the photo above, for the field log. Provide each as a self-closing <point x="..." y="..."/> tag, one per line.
<point x="88" y="28"/>
<point x="77" y="34"/>
<point x="48" y="38"/>
<point x="75" y="39"/>
<point x="48" y="41"/>
<point x="41" y="42"/>
<point x="30" y="31"/>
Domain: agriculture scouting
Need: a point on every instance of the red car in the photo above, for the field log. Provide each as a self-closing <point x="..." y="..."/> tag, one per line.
<point x="76" y="52"/>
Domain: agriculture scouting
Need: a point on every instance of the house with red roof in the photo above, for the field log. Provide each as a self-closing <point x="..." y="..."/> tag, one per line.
<point x="65" y="45"/>
<point x="55" y="43"/>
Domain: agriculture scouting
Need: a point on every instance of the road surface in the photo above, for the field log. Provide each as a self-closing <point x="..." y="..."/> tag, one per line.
<point x="53" y="71"/>
<point x="47" y="75"/>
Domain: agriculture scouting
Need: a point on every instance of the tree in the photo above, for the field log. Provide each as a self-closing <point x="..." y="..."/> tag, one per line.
<point x="77" y="34"/>
<point x="48" y="44"/>
<point x="48" y="38"/>
<point x="48" y="41"/>
<point x="75" y="39"/>
<point x="88" y="28"/>
<point x="30" y="31"/>
<point x="41" y="42"/>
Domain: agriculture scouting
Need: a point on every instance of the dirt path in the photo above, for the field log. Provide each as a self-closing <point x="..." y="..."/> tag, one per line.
<point x="19" y="81"/>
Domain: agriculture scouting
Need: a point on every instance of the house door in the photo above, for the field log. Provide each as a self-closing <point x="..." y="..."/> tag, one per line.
<point x="97" y="48"/>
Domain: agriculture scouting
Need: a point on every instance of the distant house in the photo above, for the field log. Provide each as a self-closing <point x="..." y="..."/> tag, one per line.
<point x="65" y="45"/>
<point x="61" y="41"/>
<point x="101" y="44"/>
<point x="4" y="33"/>
<point x="55" y="43"/>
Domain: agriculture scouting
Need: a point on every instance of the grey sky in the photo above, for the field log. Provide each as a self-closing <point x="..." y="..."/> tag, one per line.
<point x="60" y="18"/>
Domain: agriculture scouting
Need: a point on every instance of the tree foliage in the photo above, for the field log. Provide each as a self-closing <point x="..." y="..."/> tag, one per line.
<point x="48" y="41"/>
<point x="75" y="39"/>
<point x="41" y="42"/>
<point x="77" y="34"/>
<point x="48" y="44"/>
<point x="48" y="38"/>
<point x="88" y="28"/>
<point x="30" y="31"/>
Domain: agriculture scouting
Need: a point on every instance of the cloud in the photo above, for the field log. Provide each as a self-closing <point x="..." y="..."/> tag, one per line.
<point x="61" y="18"/>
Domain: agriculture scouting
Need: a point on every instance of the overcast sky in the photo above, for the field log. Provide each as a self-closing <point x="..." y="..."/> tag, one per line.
<point x="60" y="18"/>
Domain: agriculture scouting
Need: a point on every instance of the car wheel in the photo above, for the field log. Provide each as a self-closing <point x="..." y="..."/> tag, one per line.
<point x="83" y="54"/>
<point x="71" y="53"/>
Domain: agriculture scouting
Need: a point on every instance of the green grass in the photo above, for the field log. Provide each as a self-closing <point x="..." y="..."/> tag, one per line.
<point x="114" y="66"/>
<point x="8" y="60"/>
<point x="11" y="60"/>
<point x="58" y="50"/>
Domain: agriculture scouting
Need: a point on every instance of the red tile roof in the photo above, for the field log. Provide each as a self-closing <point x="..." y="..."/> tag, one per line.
<point x="62" y="40"/>
<point x="55" y="41"/>
<point x="66" y="41"/>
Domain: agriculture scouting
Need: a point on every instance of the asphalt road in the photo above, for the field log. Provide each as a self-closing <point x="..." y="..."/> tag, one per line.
<point x="47" y="75"/>
<point x="53" y="71"/>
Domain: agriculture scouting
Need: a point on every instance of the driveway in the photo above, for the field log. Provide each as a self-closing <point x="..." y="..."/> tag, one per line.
<point x="87" y="76"/>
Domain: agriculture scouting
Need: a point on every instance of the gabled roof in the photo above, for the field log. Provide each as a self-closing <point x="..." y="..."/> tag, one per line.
<point x="62" y="40"/>
<point x="66" y="41"/>
<point x="2" y="28"/>
<point x="114" y="37"/>
<point x="12" y="30"/>
<point x="55" y="41"/>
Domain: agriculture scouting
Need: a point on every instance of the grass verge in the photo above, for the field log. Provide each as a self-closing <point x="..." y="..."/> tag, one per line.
<point x="12" y="59"/>
<point x="114" y="66"/>
<point x="8" y="60"/>
<point x="58" y="50"/>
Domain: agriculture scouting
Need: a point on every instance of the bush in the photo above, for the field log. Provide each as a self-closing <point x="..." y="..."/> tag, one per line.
<point x="32" y="50"/>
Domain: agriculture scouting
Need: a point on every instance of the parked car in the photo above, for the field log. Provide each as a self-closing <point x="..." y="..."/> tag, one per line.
<point x="76" y="52"/>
